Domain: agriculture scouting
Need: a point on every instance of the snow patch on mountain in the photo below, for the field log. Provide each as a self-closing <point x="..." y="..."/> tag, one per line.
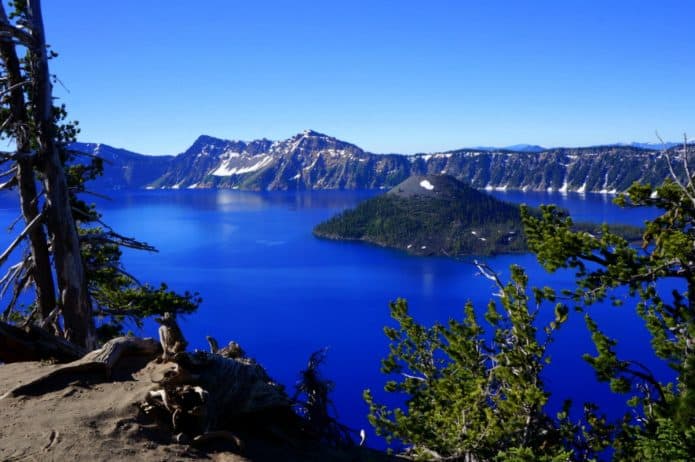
<point x="226" y="169"/>
<point x="427" y="185"/>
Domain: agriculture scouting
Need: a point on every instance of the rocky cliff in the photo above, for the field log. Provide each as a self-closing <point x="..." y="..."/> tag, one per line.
<point x="311" y="160"/>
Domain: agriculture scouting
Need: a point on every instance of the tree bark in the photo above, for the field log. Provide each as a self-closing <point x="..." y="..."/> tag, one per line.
<point x="208" y="392"/>
<point x="32" y="343"/>
<point x="41" y="265"/>
<point x="101" y="362"/>
<point x="72" y="282"/>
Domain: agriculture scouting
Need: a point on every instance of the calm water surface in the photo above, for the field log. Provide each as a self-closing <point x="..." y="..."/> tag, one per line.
<point x="282" y="294"/>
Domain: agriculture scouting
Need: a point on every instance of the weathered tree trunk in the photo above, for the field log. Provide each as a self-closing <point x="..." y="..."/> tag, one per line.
<point x="208" y="392"/>
<point x="101" y="362"/>
<point x="41" y="265"/>
<point x="32" y="343"/>
<point x="72" y="282"/>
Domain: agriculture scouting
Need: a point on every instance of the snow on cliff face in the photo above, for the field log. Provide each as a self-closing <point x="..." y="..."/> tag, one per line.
<point x="328" y="163"/>
<point x="427" y="185"/>
<point x="225" y="169"/>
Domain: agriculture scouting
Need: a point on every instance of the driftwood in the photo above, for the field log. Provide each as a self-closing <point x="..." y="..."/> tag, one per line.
<point x="100" y="363"/>
<point x="206" y="396"/>
<point x="232" y="350"/>
<point x="237" y="386"/>
<point x="33" y="343"/>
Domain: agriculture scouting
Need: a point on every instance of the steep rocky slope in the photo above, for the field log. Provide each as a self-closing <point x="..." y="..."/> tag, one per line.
<point x="311" y="160"/>
<point x="124" y="169"/>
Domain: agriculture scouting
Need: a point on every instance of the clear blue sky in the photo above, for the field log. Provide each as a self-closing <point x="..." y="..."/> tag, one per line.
<point x="390" y="76"/>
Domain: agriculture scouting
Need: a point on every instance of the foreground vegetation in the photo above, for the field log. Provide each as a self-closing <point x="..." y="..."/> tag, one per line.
<point x="473" y="390"/>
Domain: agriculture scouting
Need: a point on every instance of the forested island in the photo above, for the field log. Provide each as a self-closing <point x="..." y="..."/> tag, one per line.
<point x="440" y="215"/>
<point x="431" y="215"/>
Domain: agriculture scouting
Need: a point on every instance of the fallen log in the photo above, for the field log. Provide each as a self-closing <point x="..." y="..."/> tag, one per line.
<point x="33" y="343"/>
<point x="99" y="362"/>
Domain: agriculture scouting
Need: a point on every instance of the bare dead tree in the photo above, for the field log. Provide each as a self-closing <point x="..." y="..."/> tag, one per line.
<point x="39" y="267"/>
<point x="36" y="138"/>
<point x="688" y="188"/>
<point x="72" y="281"/>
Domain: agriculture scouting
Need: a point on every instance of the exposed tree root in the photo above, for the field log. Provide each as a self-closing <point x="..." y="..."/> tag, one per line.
<point x="206" y="396"/>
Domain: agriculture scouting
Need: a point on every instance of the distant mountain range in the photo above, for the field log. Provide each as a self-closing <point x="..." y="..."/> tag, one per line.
<point x="537" y="148"/>
<point x="515" y="147"/>
<point x="311" y="160"/>
<point x="654" y="146"/>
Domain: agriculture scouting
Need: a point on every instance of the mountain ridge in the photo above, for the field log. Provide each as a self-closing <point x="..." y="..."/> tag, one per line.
<point x="312" y="160"/>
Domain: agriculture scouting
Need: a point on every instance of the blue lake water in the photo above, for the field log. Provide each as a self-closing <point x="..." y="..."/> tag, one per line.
<point x="268" y="284"/>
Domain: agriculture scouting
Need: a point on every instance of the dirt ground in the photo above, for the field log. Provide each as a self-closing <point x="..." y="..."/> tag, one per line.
<point x="86" y="418"/>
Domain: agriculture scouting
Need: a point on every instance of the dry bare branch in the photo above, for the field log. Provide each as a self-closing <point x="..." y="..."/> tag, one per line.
<point x="11" y="171"/>
<point x="95" y="194"/>
<point x="685" y="160"/>
<point x="489" y="273"/>
<point x="36" y="221"/>
<point x="12" y="87"/>
<point x="10" y="276"/>
<point x="20" y="286"/>
<point x="672" y="172"/>
<point x="9" y="184"/>
<point x="8" y="31"/>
